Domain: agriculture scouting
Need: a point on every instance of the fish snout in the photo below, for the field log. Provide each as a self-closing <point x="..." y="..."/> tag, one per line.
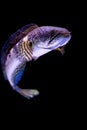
<point x="66" y="34"/>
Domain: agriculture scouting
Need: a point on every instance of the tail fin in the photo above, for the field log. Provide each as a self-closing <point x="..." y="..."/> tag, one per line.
<point x="27" y="93"/>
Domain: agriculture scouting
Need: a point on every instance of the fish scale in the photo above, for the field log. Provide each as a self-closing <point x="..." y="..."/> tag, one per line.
<point x="14" y="39"/>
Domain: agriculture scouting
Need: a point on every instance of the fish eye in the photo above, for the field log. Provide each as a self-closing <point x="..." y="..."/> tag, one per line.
<point x="52" y="33"/>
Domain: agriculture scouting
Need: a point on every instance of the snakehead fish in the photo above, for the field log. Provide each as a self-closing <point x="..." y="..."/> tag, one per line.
<point x="26" y="44"/>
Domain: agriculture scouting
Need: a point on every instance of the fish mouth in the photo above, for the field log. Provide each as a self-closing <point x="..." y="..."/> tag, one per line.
<point x="59" y="40"/>
<point x="58" y="35"/>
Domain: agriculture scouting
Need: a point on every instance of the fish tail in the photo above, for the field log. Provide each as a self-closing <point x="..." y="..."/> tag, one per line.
<point x="27" y="93"/>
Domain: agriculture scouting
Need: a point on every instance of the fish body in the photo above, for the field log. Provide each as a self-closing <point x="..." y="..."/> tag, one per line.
<point x="29" y="43"/>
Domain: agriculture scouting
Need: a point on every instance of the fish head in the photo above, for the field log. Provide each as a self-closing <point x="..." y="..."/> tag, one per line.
<point x="49" y="38"/>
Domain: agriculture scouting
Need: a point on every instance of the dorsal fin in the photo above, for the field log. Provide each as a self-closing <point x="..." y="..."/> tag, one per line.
<point x="13" y="39"/>
<point x="18" y="35"/>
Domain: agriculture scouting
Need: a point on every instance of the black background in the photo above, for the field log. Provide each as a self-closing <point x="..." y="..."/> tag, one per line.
<point x="54" y="75"/>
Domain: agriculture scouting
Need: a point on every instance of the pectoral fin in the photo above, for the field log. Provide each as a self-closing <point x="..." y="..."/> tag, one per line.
<point x="61" y="49"/>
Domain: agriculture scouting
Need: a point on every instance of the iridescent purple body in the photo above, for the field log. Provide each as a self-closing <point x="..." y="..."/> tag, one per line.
<point x="28" y="43"/>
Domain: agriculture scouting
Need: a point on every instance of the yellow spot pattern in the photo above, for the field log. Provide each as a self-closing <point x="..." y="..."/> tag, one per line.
<point x="26" y="50"/>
